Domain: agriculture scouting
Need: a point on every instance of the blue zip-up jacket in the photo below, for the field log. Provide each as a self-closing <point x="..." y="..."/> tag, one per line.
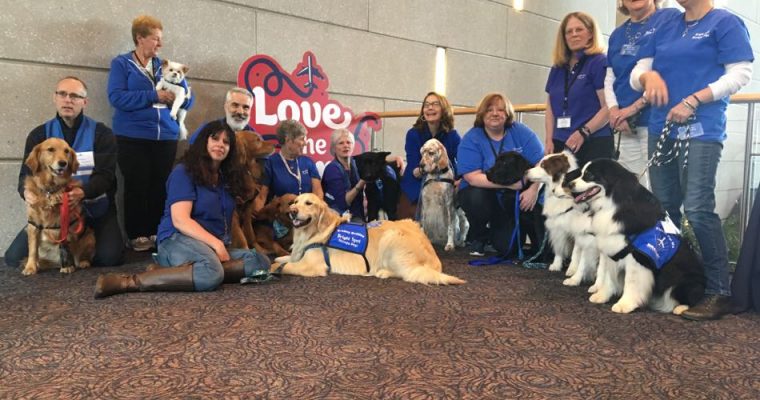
<point x="133" y="94"/>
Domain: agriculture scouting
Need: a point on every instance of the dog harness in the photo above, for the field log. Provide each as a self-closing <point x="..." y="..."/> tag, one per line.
<point x="348" y="236"/>
<point x="438" y="178"/>
<point x="658" y="244"/>
<point x="66" y="220"/>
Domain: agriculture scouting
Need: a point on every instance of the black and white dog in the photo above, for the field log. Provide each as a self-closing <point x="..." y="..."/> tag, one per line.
<point x="634" y="236"/>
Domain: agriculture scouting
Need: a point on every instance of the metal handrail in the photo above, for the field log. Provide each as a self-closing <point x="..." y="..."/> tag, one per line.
<point x="743" y="98"/>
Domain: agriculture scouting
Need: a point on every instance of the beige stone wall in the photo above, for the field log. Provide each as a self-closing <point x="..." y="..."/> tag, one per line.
<point x="379" y="55"/>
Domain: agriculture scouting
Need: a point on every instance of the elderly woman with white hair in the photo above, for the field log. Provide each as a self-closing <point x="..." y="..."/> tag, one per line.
<point x="340" y="180"/>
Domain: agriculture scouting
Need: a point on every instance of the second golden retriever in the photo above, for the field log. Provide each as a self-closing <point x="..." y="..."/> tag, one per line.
<point x="395" y="249"/>
<point x="52" y="164"/>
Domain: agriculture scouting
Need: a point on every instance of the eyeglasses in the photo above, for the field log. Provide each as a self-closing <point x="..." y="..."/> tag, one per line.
<point x="73" y="96"/>
<point x="433" y="104"/>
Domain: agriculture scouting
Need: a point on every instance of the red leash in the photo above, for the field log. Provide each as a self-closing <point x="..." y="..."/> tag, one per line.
<point x="66" y="217"/>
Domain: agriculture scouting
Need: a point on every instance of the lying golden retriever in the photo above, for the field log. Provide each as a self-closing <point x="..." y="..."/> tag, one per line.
<point x="250" y="149"/>
<point x="395" y="249"/>
<point x="52" y="164"/>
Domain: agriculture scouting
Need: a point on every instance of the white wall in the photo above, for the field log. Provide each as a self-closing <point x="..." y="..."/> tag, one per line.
<point x="379" y="55"/>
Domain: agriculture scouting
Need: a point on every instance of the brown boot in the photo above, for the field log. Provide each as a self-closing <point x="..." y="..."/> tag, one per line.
<point x="179" y="279"/>
<point x="234" y="271"/>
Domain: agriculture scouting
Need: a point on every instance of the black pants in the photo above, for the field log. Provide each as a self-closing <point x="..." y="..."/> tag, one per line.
<point x="492" y="220"/>
<point x="145" y="165"/>
<point x="593" y="148"/>
<point x="109" y="245"/>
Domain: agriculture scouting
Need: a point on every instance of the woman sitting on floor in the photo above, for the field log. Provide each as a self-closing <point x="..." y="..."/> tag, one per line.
<point x="195" y="229"/>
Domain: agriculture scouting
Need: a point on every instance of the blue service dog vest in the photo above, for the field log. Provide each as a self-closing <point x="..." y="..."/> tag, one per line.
<point x="659" y="243"/>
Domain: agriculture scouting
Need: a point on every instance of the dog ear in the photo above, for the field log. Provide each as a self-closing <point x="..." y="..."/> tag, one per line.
<point x="185" y="68"/>
<point x="326" y="217"/>
<point x="73" y="162"/>
<point x="164" y="63"/>
<point x="443" y="157"/>
<point x="33" y="161"/>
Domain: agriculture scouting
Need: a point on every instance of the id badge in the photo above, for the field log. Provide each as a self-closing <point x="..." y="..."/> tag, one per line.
<point x="159" y="105"/>
<point x="695" y="131"/>
<point x="629" y="49"/>
<point x="563" y="122"/>
<point x="86" y="159"/>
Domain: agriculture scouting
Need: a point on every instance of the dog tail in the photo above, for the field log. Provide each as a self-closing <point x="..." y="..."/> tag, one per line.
<point x="429" y="276"/>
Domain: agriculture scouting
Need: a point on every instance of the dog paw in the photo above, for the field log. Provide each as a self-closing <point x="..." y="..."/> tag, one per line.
<point x="555" y="267"/>
<point x="173" y="114"/>
<point x="449" y="247"/>
<point x="383" y="274"/>
<point x="571" y="282"/>
<point x="599" y="298"/>
<point x="29" y="271"/>
<point x="67" y="270"/>
<point x="623" y="307"/>
<point x="679" y="309"/>
<point x="593" y="288"/>
<point x="83" y="264"/>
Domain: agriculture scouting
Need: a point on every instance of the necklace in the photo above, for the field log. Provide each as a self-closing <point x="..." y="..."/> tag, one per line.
<point x="630" y="38"/>
<point x="692" y="24"/>
<point x="296" y="174"/>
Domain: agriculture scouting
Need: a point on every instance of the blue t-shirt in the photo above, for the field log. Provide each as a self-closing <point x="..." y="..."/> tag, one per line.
<point x="212" y="206"/>
<point x="624" y="52"/>
<point x="336" y="181"/>
<point x="478" y="151"/>
<point x="689" y="59"/>
<point x="282" y="179"/>
<point x="582" y="101"/>
<point x="414" y="142"/>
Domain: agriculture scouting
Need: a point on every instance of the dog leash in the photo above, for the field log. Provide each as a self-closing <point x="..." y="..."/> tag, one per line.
<point x="632" y="126"/>
<point x="66" y="218"/>
<point x="514" y="239"/>
<point x="659" y="158"/>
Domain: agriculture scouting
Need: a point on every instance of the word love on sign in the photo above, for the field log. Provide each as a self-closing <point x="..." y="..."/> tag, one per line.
<point x="302" y="95"/>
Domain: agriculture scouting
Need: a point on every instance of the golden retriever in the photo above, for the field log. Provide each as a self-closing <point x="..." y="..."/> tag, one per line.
<point x="267" y="241"/>
<point x="395" y="249"/>
<point x="52" y="164"/>
<point x="441" y="220"/>
<point x="250" y="148"/>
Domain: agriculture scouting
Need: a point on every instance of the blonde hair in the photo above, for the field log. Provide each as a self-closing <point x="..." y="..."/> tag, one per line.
<point x="562" y="53"/>
<point x="447" y="115"/>
<point x="144" y="25"/>
<point x="486" y="101"/>
<point x="621" y="8"/>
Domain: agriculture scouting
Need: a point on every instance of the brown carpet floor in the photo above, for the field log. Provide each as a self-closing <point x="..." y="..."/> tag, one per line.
<point x="508" y="333"/>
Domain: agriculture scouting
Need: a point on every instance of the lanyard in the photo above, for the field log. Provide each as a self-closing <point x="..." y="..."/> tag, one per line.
<point x="297" y="174"/>
<point x="575" y="71"/>
<point x="501" y="144"/>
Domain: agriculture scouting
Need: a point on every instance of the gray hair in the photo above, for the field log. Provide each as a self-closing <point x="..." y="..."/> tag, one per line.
<point x="289" y="129"/>
<point x="621" y="8"/>
<point x="237" y="89"/>
<point x="337" y="135"/>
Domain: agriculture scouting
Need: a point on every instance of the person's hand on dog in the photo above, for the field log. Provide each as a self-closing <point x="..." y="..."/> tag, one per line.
<point x="221" y="251"/>
<point x="395" y="159"/>
<point x="75" y="196"/>
<point x="528" y="197"/>
<point x="361" y="184"/>
<point x="549" y="147"/>
<point x="166" y="97"/>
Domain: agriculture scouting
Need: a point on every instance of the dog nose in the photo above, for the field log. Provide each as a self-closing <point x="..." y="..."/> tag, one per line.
<point x="62" y="163"/>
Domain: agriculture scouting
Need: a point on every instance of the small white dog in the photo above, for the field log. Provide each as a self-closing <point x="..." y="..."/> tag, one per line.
<point x="173" y="73"/>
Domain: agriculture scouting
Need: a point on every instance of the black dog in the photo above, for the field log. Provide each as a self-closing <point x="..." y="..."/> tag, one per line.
<point x="510" y="167"/>
<point x="383" y="184"/>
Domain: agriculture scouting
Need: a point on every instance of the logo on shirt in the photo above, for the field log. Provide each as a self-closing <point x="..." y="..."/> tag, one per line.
<point x="581" y="76"/>
<point x="700" y="35"/>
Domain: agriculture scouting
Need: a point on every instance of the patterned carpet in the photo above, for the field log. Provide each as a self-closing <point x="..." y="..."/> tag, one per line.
<point x="508" y="333"/>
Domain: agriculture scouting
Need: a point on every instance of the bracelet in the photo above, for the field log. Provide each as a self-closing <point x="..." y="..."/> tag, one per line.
<point x="688" y="105"/>
<point x="699" y="102"/>
<point x="584" y="131"/>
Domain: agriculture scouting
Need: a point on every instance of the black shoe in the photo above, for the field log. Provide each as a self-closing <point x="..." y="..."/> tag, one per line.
<point x="711" y="307"/>
<point x="477" y="248"/>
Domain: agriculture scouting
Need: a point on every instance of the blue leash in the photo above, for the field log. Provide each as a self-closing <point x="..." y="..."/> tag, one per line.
<point x="514" y="239"/>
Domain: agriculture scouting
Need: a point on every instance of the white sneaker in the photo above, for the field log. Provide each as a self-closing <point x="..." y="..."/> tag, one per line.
<point x="141" y="243"/>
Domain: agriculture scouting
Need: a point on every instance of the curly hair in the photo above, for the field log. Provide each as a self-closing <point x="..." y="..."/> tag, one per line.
<point x="198" y="162"/>
<point x="447" y="115"/>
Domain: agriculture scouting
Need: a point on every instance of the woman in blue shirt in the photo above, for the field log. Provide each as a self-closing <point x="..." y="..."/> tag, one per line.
<point x="696" y="60"/>
<point x="436" y="121"/>
<point x="195" y="229"/>
<point x="145" y="132"/>
<point x="340" y="181"/>
<point x="289" y="171"/>
<point x="576" y="113"/>
<point x="625" y="104"/>
<point x="490" y="207"/>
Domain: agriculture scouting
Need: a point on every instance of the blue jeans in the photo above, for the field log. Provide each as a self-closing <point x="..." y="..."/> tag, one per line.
<point x="694" y="188"/>
<point x="208" y="273"/>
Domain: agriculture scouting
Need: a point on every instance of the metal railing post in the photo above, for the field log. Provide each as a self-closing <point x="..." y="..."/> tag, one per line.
<point x="746" y="189"/>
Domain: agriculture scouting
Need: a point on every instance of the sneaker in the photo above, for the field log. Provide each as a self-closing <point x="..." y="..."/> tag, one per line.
<point x="488" y="248"/>
<point x="477" y="248"/>
<point x="141" y="243"/>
